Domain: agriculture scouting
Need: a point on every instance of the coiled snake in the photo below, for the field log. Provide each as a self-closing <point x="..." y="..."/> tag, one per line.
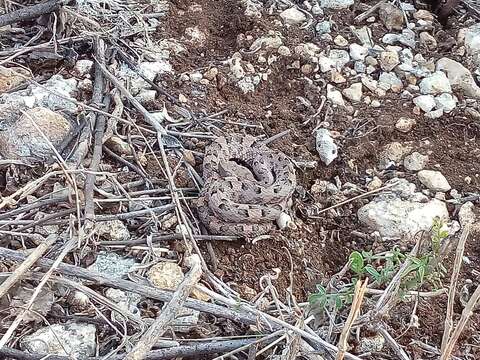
<point x="247" y="186"/>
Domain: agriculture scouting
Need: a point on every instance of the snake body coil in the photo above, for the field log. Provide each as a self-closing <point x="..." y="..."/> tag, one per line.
<point x="247" y="186"/>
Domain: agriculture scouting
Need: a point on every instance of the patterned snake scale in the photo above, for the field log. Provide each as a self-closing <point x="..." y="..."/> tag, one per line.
<point x="247" y="186"/>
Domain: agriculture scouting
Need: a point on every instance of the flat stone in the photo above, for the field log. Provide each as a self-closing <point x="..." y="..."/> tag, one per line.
<point x="399" y="218"/>
<point x="112" y="265"/>
<point x="293" y="16"/>
<point x="389" y="60"/>
<point x="358" y="52"/>
<point x="391" y="16"/>
<point x="436" y="83"/>
<point x="405" y="124"/>
<point x="335" y="96"/>
<point x="415" y="161"/>
<point x="434" y="180"/>
<point x="447" y="102"/>
<point x="425" y="102"/>
<point x="460" y="77"/>
<point x="12" y="77"/>
<point x="70" y="339"/>
<point x="390" y="81"/>
<point x="25" y="137"/>
<point x="353" y="92"/>
<point x="335" y="4"/>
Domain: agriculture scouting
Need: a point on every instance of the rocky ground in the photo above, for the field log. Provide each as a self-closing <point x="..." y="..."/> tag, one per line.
<point x="376" y="104"/>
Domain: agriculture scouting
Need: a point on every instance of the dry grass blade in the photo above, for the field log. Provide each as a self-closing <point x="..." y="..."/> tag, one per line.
<point x="453" y="286"/>
<point x="360" y="288"/>
<point x="25" y="265"/>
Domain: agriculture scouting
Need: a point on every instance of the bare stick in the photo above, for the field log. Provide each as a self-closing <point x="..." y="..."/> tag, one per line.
<point x="153" y="334"/>
<point x="466" y="314"/>
<point x="25" y="265"/>
<point x="394" y="344"/>
<point x="354" y="311"/>
<point x="99" y="88"/>
<point x="67" y="248"/>
<point x="453" y="286"/>
<point x="31" y="12"/>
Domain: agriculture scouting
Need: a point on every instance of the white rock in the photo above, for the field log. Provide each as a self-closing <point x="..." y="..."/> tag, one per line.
<point x="323" y="27"/>
<point x="196" y="37"/>
<point x="405" y="124"/>
<point x="114" y="230"/>
<point x="407" y="38"/>
<point x="423" y="15"/>
<point x="434" y="114"/>
<point x="325" y="64"/>
<point x="293" y="16"/>
<point x="340" y="57"/>
<point x="364" y="34"/>
<point x="392" y="153"/>
<point x="434" y="180"/>
<point x="146" y="96"/>
<point x="326" y="147"/>
<point x="415" y="161"/>
<point x="472" y="42"/>
<point x="375" y="184"/>
<point x="389" y="60"/>
<point x="335" y="4"/>
<point x="78" y="340"/>
<point x="112" y="265"/>
<point x="335" y="96"/>
<point x="427" y="40"/>
<point x="371" y="344"/>
<point x="83" y="67"/>
<point x="127" y="301"/>
<point x="398" y="218"/>
<point x="308" y="51"/>
<point x="273" y="40"/>
<point x="354" y="92"/>
<point x="459" y="77"/>
<point x="436" y="83"/>
<point x="358" y="52"/>
<point x="390" y="81"/>
<point x="284" y="221"/>
<point x="236" y="69"/>
<point x="447" y="102"/>
<point x="466" y="214"/>
<point x="165" y="275"/>
<point x="340" y="41"/>
<point x="425" y="102"/>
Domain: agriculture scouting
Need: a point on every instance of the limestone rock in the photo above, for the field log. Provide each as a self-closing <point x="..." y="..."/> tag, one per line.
<point x="335" y="4"/>
<point x="425" y="102"/>
<point x="415" y="161"/>
<point x="405" y="124"/>
<point x="78" y="340"/>
<point x="12" y="77"/>
<point x="434" y="180"/>
<point x="326" y="147"/>
<point x="459" y="77"/>
<point x="354" y="92"/>
<point x="24" y="140"/>
<point x="293" y="16"/>
<point x="391" y="16"/>
<point x="436" y="83"/>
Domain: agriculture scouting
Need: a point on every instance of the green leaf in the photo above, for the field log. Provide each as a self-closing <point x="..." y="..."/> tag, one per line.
<point x="373" y="272"/>
<point x="338" y="302"/>
<point x="356" y="262"/>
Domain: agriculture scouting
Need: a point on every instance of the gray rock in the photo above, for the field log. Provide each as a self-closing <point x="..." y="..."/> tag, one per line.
<point x="466" y="214"/>
<point x="427" y="40"/>
<point x="149" y="69"/>
<point x="335" y="96"/>
<point x="436" y="83"/>
<point x="425" y="102"/>
<point x="398" y="218"/>
<point x="354" y="92"/>
<point x="434" y="180"/>
<point x="407" y="38"/>
<point x="83" y="67"/>
<point x="293" y="16"/>
<point x="364" y="34"/>
<point x="323" y="27"/>
<point x="389" y="60"/>
<point x="472" y="42"/>
<point x="358" y="52"/>
<point x="78" y="340"/>
<point x="405" y="124"/>
<point x="415" y="161"/>
<point x="340" y="57"/>
<point x="371" y="344"/>
<point x="25" y="136"/>
<point x="112" y="265"/>
<point x="391" y="16"/>
<point x="446" y="102"/>
<point x="392" y="153"/>
<point x="390" y="81"/>
<point x="325" y="64"/>
<point x="326" y="147"/>
<point x="335" y="4"/>
<point x="127" y="301"/>
<point x="434" y="114"/>
<point x="113" y="230"/>
<point x="340" y="41"/>
<point x="459" y="77"/>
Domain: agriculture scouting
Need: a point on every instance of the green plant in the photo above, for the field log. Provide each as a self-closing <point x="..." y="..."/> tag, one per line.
<point x="381" y="268"/>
